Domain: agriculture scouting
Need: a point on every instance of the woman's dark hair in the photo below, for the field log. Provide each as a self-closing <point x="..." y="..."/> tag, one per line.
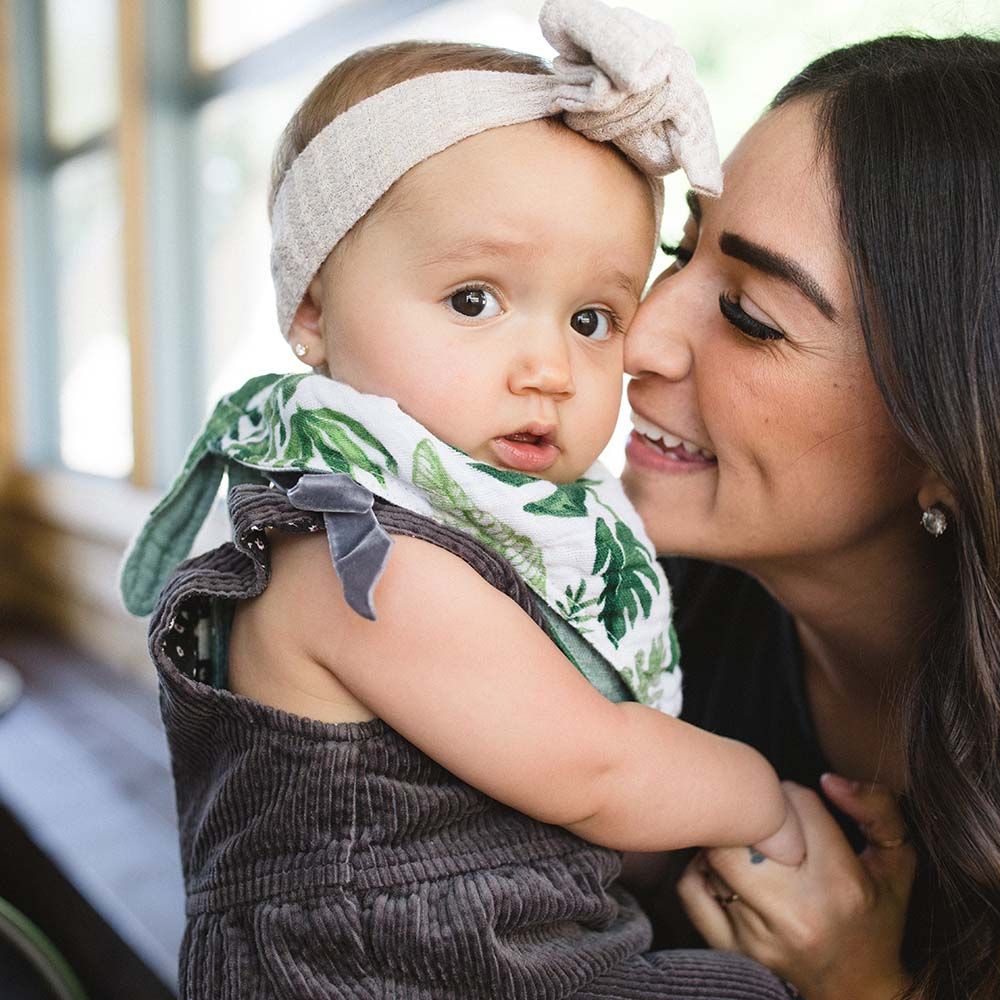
<point x="911" y="129"/>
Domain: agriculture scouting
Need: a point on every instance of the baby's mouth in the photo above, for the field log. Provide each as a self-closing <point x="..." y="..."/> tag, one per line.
<point x="532" y="449"/>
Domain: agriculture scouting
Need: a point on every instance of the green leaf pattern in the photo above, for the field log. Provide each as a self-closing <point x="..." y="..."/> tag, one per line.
<point x="627" y="570"/>
<point x="575" y="607"/>
<point x="457" y="509"/>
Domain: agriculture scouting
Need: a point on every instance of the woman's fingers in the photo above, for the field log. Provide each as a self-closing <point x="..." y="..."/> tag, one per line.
<point x="698" y="897"/>
<point x="871" y="805"/>
<point x="889" y="854"/>
<point x="747" y="872"/>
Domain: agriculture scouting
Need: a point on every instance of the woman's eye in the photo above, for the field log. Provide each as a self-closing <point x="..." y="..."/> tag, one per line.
<point x="592" y="323"/>
<point x="680" y="254"/>
<point x="744" y="322"/>
<point x="476" y="303"/>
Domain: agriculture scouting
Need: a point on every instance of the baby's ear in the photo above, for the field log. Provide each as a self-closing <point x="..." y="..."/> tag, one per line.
<point x="306" y="333"/>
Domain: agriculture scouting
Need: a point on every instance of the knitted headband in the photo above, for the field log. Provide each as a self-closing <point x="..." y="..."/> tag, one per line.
<point x="618" y="78"/>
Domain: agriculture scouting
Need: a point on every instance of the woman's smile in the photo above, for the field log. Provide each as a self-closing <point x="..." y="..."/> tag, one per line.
<point x="642" y="450"/>
<point x="662" y="449"/>
<point x="670" y="443"/>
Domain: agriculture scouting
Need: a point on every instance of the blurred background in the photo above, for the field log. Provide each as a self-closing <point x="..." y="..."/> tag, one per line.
<point x="135" y="145"/>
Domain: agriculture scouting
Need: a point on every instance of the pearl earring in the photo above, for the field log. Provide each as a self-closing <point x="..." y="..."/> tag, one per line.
<point x="301" y="350"/>
<point x="934" y="521"/>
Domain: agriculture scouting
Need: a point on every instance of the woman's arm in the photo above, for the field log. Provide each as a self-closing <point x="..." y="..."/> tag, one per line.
<point x="462" y="672"/>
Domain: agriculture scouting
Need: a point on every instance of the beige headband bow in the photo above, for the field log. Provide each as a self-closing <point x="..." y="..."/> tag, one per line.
<point x="621" y="78"/>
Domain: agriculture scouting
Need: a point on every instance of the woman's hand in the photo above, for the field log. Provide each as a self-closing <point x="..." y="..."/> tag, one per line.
<point x="833" y="925"/>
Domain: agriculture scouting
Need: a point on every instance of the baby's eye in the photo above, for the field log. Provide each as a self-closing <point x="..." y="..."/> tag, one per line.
<point x="476" y="303"/>
<point x="592" y="323"/>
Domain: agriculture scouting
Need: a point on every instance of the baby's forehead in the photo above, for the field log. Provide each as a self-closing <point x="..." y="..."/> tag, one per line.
<point x="538" y="184"/>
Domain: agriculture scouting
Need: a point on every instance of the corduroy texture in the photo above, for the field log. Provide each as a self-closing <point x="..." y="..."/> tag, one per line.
<point x="338" y="861"/>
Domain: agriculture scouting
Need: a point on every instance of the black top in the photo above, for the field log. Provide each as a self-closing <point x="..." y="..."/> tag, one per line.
<point x="743" y="678"/>
<point x="742" y="667"/>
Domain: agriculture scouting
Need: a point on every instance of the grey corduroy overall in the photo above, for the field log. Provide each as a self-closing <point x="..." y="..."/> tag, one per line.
<point x="334" y="861"/>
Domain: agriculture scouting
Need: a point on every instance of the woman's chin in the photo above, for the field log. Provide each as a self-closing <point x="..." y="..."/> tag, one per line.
<point x="674" y="520"/>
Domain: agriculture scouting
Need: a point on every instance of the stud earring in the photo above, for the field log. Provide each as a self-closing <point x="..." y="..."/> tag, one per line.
<point x="301" y="350"/>
<point x="934" y="521"/>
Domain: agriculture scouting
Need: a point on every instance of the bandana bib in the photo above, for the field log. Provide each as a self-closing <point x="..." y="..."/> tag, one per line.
<point x="579" y="546"/>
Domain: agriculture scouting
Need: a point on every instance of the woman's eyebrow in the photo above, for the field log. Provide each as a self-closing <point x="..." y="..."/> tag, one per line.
<point x="780" y="266"/>
<point x="769" y="262"/>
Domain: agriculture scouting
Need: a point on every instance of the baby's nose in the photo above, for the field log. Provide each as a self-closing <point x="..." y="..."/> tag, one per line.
<point x="544" y="366"/>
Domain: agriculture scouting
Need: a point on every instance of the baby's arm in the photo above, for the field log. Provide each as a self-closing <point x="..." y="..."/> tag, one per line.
<point x="462" y="672"/>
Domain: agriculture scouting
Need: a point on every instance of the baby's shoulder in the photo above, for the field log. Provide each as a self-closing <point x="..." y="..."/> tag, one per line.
<point x="272" y="655"/>
<point x="298" y="645"/>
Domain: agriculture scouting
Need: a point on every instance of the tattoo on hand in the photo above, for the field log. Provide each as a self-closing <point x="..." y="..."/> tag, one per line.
<point x="756" y="857"/>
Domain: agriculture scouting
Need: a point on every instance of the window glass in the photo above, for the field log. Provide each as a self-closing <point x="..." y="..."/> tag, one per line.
<point x="94" y="379"/>
<point x="81" y="42"/>
<point x="224" y="30"/>
<point x="236" y="133"/>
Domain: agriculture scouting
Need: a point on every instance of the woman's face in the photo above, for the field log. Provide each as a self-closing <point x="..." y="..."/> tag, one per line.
<point x="750" y="350"/>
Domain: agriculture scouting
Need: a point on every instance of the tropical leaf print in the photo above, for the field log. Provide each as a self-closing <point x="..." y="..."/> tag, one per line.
<point x="508" y="476"/>
<point x="625" y="566"/>
<point x="335" y="438"/>
<point x="456" y="507"/>
<point x="648" y="671"/>
<point x="222" y="419"/>
<point x="288" y="385"/>
<point x="675" y="651"/>
<point x="568" y="500"/>
<point x="574" y="608"/>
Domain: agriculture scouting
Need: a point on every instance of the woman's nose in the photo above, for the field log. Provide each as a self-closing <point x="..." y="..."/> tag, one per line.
<point x="658" y="342"/>
<point x="543" y="365"/>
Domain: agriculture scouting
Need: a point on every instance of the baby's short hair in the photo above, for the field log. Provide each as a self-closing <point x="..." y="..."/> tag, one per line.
<point x="370" y="71"/>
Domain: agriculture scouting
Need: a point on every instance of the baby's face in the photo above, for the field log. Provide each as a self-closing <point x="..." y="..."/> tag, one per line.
<point x="490" y="297"/>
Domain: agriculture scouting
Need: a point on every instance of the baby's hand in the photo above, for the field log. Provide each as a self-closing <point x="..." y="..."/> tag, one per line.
<point x="787" y="845"/>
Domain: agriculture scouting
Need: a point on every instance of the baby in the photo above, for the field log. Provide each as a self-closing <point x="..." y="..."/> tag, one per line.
<point x="404" y="753"/>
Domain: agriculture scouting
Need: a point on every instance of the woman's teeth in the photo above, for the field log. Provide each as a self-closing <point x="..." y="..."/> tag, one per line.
<point x="667" y="440"/>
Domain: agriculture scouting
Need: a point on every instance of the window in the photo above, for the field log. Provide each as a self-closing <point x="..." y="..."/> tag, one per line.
<point x="95" y="414"/>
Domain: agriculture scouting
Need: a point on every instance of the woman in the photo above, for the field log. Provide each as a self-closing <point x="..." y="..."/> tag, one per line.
<point x="829" y="338"/>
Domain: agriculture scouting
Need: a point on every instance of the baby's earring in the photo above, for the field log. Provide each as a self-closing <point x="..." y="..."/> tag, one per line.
<point x="301" y="350"/>
<point x="935" y="520"/>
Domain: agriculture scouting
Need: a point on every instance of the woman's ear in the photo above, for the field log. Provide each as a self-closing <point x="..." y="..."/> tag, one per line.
<point x="933" y="491"/>
<point x="306" y="335"/>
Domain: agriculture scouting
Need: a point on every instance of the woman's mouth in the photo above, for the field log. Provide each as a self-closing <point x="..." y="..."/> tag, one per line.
<point x="533" y="450"/>
<point x="655" y="447"/>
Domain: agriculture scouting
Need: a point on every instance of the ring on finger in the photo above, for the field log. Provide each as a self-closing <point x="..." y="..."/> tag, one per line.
<point x="888" y="845"/>
<point x="733" y="897"/>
